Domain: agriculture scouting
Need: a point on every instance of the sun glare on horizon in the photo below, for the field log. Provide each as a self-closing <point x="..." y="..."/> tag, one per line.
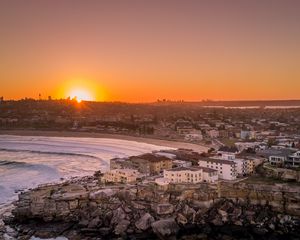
<point x="81" y="95"/>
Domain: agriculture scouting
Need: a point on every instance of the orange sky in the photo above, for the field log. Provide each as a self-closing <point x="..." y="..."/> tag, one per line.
<point x="140" y="51"/>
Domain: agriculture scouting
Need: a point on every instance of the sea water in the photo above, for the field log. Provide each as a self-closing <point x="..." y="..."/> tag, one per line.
<point x="27" y="161"/>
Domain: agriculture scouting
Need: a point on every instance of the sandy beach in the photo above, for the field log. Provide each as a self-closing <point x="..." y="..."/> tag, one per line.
<point x="159" y="142"/>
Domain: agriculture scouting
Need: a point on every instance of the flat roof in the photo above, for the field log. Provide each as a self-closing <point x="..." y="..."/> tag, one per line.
<point x="194" y="169"/>
<point x="151" y="157"/>
<point x="223" y="161"/>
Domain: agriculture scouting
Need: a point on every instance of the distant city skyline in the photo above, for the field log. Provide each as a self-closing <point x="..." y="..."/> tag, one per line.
<point x="141" y="51"/>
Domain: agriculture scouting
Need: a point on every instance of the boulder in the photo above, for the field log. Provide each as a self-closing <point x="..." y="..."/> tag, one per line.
<point x="118" y="215"/>
<point x="144" y="222"/>
<point x="166" y="208"/>
<point x="181" y="220"/>
<point x="223" y="214"/>
<point x="165" y="228"/>
<point x="189" y="212"/>
<point x="121" y="227"/>
<point x="96" y="222"/>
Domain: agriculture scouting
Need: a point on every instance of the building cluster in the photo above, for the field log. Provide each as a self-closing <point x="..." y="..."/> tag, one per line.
<point x="181" y="121"/>
<point x="191" y="168"/>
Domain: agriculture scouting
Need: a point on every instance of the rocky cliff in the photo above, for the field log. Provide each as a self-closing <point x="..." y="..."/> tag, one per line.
<point x="88" y="210"/>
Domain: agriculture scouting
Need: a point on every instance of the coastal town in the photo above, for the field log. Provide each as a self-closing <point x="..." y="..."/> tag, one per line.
<point x="248" y="168"/>
<point x="149" y="120"/>
<point x="238" y="139"/>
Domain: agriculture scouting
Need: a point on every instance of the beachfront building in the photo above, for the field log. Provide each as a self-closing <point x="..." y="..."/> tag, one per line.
<point x="121" y="176"/>
<point x="184" y="175"/>
<point x="147" y="164"/>
<point x="293" y="160"/>
<point x="212" y="133"/>
<point x="227" y="169"/>
<point x="190" y="175"/>
<point x="152" y="164"/>
<point x="243" y="166"/>
<point x="210" y="175"/>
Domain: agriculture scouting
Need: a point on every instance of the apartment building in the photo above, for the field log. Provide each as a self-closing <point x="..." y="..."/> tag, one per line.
<point x="243" y="166"/>
<point x="227" y="169"/>
<point x="121" y="176"/>
<point x="190" y="175"/>
<point x="147" y="164"/>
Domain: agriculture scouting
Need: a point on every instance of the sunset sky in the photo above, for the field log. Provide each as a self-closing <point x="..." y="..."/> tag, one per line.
<point x="140" y="51"/>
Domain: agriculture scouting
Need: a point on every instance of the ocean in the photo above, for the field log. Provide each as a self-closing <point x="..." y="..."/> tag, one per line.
<point x="27" y="161"/>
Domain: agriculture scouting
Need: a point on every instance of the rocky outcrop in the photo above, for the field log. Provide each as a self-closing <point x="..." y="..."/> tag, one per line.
<point x="165" y="228"/>
<point x="93" y="210"/>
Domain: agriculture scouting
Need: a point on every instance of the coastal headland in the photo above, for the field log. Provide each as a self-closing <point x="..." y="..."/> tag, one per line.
<point x="87" y="209"/>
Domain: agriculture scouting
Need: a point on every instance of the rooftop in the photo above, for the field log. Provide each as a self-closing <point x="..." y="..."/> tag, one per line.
<point x="276" y="152"/>
<point x="193" y="169"/>
<point x="151" y="157"/>
<point x="223" y="161"/>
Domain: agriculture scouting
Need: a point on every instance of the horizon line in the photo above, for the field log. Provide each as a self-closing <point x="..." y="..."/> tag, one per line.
<point x="158" y="100"/>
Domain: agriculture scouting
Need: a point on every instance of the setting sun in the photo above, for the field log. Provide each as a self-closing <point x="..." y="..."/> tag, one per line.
<point x="81" y="95"/>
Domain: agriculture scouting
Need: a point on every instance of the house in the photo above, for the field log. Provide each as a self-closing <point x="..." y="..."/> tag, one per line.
<point x="121" y="176"/>
<point x="183" y="127"/>
<point x="277" y="157"/>
<point x="193" y="136"/>
<point x="226" y="168"/>
<point x="212" y="133"/>
<point x="246" y="134"/>
<point x="293" y="160"/>
<point x="228" y="149"/>
<point x="185" y="130"/>
<point x="190" y="175"/>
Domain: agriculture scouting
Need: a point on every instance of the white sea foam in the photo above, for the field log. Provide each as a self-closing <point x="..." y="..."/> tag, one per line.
<point x="27" y="161"/>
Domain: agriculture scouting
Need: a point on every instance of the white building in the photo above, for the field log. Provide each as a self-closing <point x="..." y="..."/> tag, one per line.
<point x="121" y="175"/>
<point x="243" y="166"/>
<point x="226" y="168"/>
<point x="278" y="159"/>
<point x="246" y="134"/>
<point x="293" y="160"/>
<point x="210" y="175"/>
<point x="190" y="175"/>
<point x="213" y="133"/>
<point x="162" y="181"/>
<point x="194" y="136"/>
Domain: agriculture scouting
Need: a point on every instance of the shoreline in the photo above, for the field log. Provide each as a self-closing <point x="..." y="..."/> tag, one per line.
<point x="153" y="141"/>
<point x="5" y="208"/>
